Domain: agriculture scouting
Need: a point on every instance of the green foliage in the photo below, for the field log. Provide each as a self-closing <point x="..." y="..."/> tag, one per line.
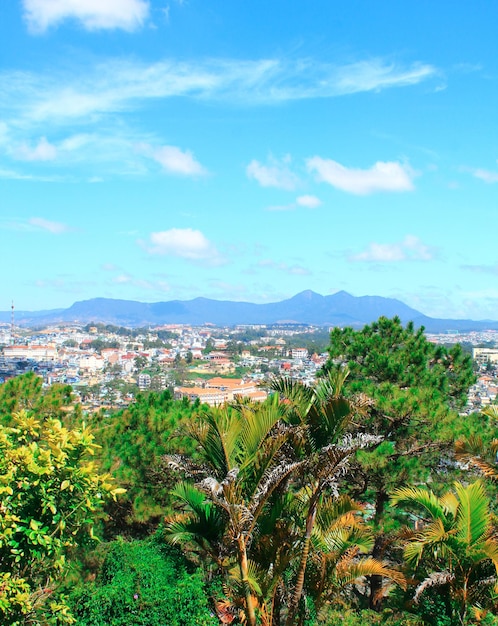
<point x="387" y="352"/>
<point x="368" y="618"/>
<point x="50" y="493"/>
<point x="133" y="441"/>
<point x="101" y="344"/>
<point x="26" y="393"/>
<point x="122" y="331"/>
<point x="415" y="387"/>
<point x="455" y="549"/>
<point x="142" y="584"/>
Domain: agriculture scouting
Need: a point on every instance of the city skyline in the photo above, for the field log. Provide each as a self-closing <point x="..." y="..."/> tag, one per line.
<point x="154" y="151"/>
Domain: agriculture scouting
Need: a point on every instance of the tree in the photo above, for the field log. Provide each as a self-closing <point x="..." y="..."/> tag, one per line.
<point x="387" y="352"/>
<point x="480" y="454"/>
<point x="132" y="443"/>
<point x="455" y="548"/>
<point x="339" y="541"/>
<point x="263" y="474"/>
<point x="322" y="414"/>
<point x="140" y="362"/>
<point x="26" y="392"/>
<point x="50" y="493"/>
<point x="415" y="386"/>
<point x="243" y="461"/>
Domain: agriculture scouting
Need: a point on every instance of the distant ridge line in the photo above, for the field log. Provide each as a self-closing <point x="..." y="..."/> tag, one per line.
<point x="306" y="307"/>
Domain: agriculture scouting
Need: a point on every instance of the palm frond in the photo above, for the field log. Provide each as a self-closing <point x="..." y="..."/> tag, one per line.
<point x="255" y="575"/>
<point x="421" y="498"/>
<point x="350" y="572"/>
<point x="473" y="517"/>
<point x="256" y="428"/>
<point x="413" y="552"/>
<point x="450" y="503"/>
<point x="331" y="385"/>
<point x="435" y="533"/>
<point x="436" y="579"/>
<point x="490" y="550"/>
<point x="299" y="397"/>
<point x="491" y="411"/>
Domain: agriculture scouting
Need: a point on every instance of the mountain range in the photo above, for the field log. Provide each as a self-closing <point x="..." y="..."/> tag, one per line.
<point x="307" y="307"/>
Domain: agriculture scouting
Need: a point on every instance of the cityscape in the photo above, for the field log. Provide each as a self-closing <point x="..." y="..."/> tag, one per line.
<point x="107" y="366"/>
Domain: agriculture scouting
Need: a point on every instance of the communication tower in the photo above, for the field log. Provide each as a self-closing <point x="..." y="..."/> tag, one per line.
<point x="12" y="325"/>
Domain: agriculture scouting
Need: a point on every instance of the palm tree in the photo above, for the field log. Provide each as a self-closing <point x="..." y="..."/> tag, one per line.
<point x="456" y="546"/>
<point x="339" y="541"/>
<point x="244" y="458"/>
<point x="319" y="415"/>
<point x="476" y="453"/>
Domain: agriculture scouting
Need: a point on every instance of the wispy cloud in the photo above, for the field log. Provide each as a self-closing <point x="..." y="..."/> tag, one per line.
<point x="173" y="160"/>
<point x="116" y="85"/>
<point x="388" y="176"/>
<point x="486" y="175"/>
<point x="140" y="283"/>
<point x="15" y="175"/>
<point x="185" y="243"/>
<point x="42" y="151"/>
<point x="88" y="102"/>
<point x="482" y="269"/>
<point x="410" y="249"/>
<point x="309" y="202"/>
<point x="127" y="15"/>
<point x="56" y="228"/>
<point x="276" y="174"/>
<point x="35" y="224"/>
<point x="294" y="270"/>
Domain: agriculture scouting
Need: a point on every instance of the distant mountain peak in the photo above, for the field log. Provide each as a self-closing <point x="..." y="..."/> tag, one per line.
<point x="307" y="307"/>
<point x="307" y="294"/>
<point x="342" y="294"/>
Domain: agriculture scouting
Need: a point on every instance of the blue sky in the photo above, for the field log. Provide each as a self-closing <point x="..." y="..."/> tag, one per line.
<point x="248" y="150"/>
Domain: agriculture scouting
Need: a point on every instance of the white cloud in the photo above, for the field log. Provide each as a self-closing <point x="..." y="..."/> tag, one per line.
<point x="377" y="74"/>
<point x="120" y="84"/>
<point x="93" y="14"/>
<point x="310" y="202"/>
<point x="410" y="249"/>
<point x="13" y="175"/>
<point x="42" y="151"/>
<point x="276" y="174"/>
<point x="382" y="176"/>
<point x="486" y="175"/>
<point x="185" y="243"/>
<point x="174" y="160"/>
<point x="56" y="228"/>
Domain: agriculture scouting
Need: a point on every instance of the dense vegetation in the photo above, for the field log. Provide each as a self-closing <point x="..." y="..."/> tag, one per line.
<point x="366" y="499"/>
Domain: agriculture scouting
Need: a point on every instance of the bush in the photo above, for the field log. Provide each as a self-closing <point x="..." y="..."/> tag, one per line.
<point x="142" y="584"/>
<point x="369" y="618"/>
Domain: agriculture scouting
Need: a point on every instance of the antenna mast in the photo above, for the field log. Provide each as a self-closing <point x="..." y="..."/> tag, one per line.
<point x="12" y="325"/>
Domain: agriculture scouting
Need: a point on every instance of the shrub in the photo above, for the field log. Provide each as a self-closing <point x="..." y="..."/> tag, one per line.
<point x="142" y="584"/>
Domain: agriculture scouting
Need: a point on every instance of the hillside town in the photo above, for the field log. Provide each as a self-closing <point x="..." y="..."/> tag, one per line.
<point x="107" y="366"/>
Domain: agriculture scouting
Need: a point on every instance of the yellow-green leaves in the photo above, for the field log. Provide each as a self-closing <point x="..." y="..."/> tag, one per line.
<point x="49" y="494"/>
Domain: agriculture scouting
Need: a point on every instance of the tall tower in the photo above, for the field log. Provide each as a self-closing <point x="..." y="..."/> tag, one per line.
<point x="12" y="325"/>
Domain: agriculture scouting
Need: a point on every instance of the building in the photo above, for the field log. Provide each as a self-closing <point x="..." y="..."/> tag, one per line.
<point x="485" y="355"/>
<point x="144" y="381"/>
<point x="218" y="390"/>
<point x="33" y="352"/>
